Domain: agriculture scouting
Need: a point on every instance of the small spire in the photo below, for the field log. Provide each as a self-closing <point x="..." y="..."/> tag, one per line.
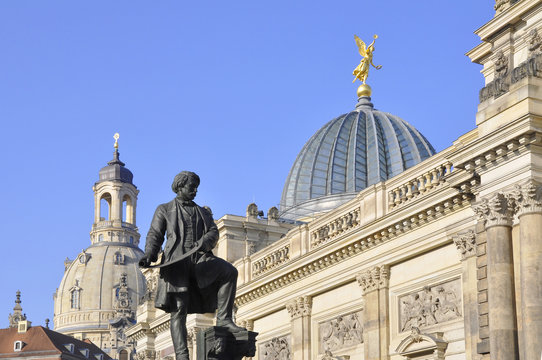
<point x="17" y="312"/>
<point x="116" y="154"/>
<point x="17" y="301"/>
<point x="47" y="323"/>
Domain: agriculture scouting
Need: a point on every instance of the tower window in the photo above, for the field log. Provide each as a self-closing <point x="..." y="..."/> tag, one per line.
<point x="75" y="298"/>
<point x="131" y="239"/>
<point x="101" y="237"/>
<point x="123" y="355"/>
<point x="119" y="258"/>
<point x="127" y="209"/>
<point x="105" y="206"/>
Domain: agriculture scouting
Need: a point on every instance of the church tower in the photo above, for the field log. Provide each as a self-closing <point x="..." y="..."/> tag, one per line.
<point x="100" y="289"/>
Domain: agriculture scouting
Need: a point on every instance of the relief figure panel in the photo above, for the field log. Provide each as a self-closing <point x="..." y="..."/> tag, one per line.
<point x="341" y="332"/>
<point x="431" y="305"/>
<point x="275" y="349"/>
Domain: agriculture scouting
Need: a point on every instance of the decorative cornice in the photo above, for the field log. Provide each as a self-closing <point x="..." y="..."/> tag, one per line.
<point x="466" y="244"/>
<point x="357" y="246"/>
<point x="301" y="306"/>
<point x="163" y="327"/>
<point x="527" y="197"/>
<point x="495" y="210"/>
<point x="376" y="278"/>
<point x="501" y="153"/>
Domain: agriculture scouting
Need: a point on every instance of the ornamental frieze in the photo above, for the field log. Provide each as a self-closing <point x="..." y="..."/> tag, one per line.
<point x="275" y="349"/>
<point x="341" y="332"/>
<point x="532" y="67"/>
<point x="431" y="305"/>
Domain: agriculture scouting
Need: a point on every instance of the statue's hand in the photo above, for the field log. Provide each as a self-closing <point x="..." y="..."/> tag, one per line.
<point x="146" y="261"/>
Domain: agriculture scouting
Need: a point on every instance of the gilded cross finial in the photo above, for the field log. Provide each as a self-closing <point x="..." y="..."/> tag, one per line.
<point x="116" y="137"/>
<point x="362" y="70"/>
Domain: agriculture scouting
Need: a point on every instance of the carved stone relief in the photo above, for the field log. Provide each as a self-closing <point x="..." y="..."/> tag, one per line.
<point x="504" y="76"/>
<point x="431" y="305"/>
<point x="535" y="41"/>
<point x="341" y="332"/>
<point x="275" y="349"/>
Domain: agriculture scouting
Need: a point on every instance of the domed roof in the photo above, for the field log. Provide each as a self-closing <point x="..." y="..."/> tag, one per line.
<point x="348" y="154"/>
<point x="115" y="170"/>
<point x="97" y="274"/>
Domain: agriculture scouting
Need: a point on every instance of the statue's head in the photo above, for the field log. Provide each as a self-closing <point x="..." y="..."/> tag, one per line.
<point x="186" y="185"/>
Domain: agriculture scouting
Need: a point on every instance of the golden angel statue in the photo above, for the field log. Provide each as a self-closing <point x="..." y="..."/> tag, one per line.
<point x="362" y="70"/>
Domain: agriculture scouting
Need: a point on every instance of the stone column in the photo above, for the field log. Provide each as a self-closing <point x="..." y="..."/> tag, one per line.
<point x="529" y="211"/>
<point x="466" y="244"/>
<point x="497" y="212"/>
<point x="375" y="286"/>
<point x="300" y="312"/>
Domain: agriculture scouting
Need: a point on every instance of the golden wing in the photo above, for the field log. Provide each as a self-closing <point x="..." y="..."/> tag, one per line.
<point x="361" y="45"/>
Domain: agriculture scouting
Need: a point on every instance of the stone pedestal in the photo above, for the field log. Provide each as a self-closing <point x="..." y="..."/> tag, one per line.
<point x="217" y="343"/>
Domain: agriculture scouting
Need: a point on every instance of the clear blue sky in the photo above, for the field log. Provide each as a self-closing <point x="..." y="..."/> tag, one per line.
<point x="238" y="85"/>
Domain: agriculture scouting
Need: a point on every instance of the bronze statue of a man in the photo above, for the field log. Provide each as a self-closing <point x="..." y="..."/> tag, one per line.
<point x="192" y="279"/>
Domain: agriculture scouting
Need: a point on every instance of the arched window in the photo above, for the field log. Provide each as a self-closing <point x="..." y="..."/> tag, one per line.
<point x="119" y="258"/>
<point x="131" y="239"/>
<point x="127" y="209"/>
<point x="123" y="355"/>
<point x="101" y="237"/>
<point x="105" y="207"/>
<point x="75" y="298"/>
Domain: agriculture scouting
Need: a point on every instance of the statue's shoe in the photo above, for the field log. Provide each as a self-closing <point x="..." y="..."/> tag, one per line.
<point x="230" y="325"/>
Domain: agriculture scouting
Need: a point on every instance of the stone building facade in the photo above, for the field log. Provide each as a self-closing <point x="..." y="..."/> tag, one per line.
<point x="439" y="261"/>
<point x="100" y="289"/>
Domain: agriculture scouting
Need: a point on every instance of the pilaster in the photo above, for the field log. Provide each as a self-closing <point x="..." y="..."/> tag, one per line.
<point x="466" y="245"/>
<point x="375" y="286"/>
<point x="300" y="311"/>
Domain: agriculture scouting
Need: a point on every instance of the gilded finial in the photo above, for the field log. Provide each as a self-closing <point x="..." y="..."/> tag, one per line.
<point x="362" y="70"/>
<point x="116" y="137"/>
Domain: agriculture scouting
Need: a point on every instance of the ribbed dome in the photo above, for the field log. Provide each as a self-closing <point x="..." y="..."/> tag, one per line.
<point x="97" y="274"/>
<point x="348" y="154"/>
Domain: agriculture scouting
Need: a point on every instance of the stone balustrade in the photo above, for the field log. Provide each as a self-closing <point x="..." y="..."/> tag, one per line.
<point x="270" y="260"/>
<point x="421" y="184"/>
<point x="112" y="223"/>
<point x="335" y="227"/>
